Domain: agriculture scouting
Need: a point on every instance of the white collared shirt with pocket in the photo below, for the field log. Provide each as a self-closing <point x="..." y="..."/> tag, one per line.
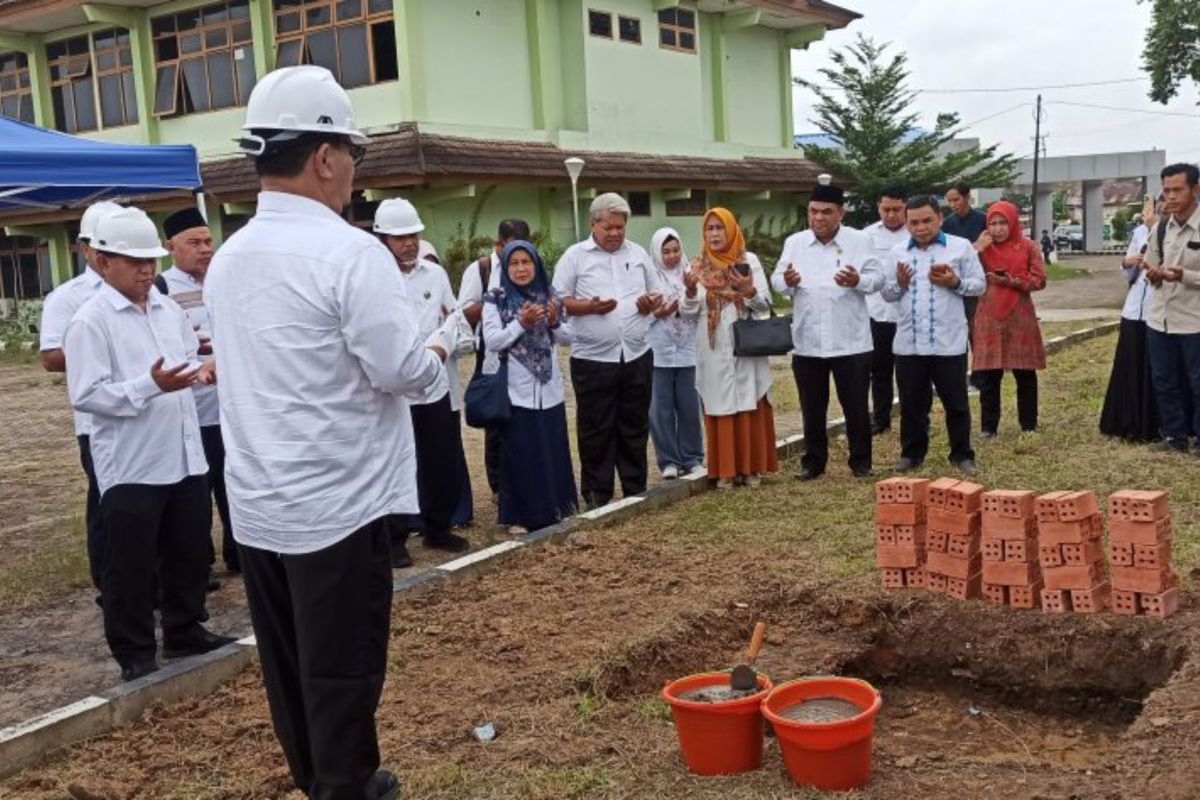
<point x="883" y="240"/>
<point x="431" y="298"/>
<point x="58" y="309"/>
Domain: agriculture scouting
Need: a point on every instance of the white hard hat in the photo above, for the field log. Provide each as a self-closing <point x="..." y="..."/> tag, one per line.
<point x="306" y="99"/>
<point x="397" y="217"/>
<point x="87" y="223"/>
<point x="128" y="232"/>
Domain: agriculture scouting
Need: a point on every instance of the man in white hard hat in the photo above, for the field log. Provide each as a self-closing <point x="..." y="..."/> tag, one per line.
<point x="435" y="412"/>
<point x="60" y="305"/>
<point x="131" y="359"/>
<point x="316" y="357"/>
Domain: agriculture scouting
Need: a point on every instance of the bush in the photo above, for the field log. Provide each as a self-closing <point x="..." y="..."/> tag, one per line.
<point x="23" y="326"/>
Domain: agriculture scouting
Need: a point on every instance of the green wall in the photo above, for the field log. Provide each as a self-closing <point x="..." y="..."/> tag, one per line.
<point x="752" y="86"/>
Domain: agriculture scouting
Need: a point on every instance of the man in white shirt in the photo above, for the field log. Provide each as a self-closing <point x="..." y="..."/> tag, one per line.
<point x="828" y="271"/>
<point x="316" y="355"/>
<point x="927" y="278"/>
<point x="436" y="425"/>
<point x="474" y="285"/>
<point x="131" y="356"/>
<point x="885" y="234"/>
<point x="60" y="306"/>
<point x="609" y="288"/>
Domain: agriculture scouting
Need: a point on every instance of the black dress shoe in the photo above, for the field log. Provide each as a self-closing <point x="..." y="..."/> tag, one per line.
<point x="987" y="434"/>
<point x="400" y="555"/>
<point x="808" y="474"/>
<point x="383" y="785"/>
<point x="877" y="429"/>
<point x="198" y="641"/>
<point x="967" y="467"/>
<point x="862" y="472"/>
<point x="450" y="542"/>
<point x="213" y="583"/>
<point x="138" y="670"/>
<point x="906" y="464"/>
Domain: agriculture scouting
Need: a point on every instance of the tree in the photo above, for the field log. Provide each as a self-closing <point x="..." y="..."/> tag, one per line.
<point x="1172" y="50"/>
<point x="863" y="105"/>
<point x="1122" y="222"/>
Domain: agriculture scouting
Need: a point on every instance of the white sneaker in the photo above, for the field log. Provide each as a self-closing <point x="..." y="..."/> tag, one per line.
<point x="699" y="468"/>
<point x="517" y="530"/>
<point x="724" y="483"/>
<point x="670" y="473"/>
<point x="752" y="480"/>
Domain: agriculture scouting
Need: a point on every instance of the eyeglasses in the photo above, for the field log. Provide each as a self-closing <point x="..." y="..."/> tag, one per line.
<point x="357" y="152"/>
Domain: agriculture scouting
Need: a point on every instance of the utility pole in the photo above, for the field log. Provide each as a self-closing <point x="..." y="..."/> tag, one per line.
<point x="1037" y="151"/>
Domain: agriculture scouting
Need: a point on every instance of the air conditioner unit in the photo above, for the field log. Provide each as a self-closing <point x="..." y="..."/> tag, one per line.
<point x="8" y="308"/>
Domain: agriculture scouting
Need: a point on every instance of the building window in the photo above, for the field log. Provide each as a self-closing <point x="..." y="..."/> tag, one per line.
<point x="24" y="269"/>
<point x="203" y="59"/>
<point x="91" y="81"/>
<point x="630" y="29"/>
<point x="639" y="204"/>
<point x="693" y="206"/>
<point x="600" y="24"/>
<point x="361" y="211"/>
<point x="16" y="96"/>
<point x="677" y="30"/>
<point x="353" y="39"/>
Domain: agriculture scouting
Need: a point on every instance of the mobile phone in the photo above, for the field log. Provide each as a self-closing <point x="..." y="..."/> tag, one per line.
<point x="743" y="269"/>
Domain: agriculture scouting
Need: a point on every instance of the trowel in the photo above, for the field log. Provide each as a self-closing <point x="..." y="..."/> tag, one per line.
<point x="744" y="678"/>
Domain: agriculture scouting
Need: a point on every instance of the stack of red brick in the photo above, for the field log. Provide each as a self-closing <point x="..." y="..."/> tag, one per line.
<point x="1140" y="534"/>
<point x="1011" y="574"/>
<point x="953" y="561"/>
<point x="900" y="531"/>
<point x="1070" y="531"/>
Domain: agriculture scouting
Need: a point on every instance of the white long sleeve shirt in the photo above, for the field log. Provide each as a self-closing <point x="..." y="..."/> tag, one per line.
<point x="673" y="338"/>
<point x="188" y="294"/>
<point x="57" y="310"/>
<point x="140" y="434"/>
<point x="933" y="321"/>
<point x="524" y="390"/>
<point x="314" y="358"/>
<point x="431" y="298"/>
<point x="1137" y="300"/>
<point x="883" y="240"/>
<point x="587" y="271"/>
<point x="829" y="320"/>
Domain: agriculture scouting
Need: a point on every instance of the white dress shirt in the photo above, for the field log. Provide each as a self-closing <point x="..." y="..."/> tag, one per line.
<point x="933" y="321"/>
<point x="524" y="390"/>
<point x="57" y="310"/>
<point x="188" y="294"/>
<point x="1137" y="300"/>
<point x="431" y="298"/>
<point x="828" y="320"/>
<point x="470" y="289"/>
<point x="140" y="434"/>
<point x="587" y="271"/>
<point x="314" y="357"/>
<point x="883" y="241"/>
<point x="673" y="338"/>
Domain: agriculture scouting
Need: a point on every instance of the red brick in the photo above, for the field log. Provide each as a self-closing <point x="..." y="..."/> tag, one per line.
<point x="1010" y="573"/>
<point x="1021" y="550"/>
<point x="899" y="514"/>
<point x="1025" y="596"/>
<point x="951" y="567"/>
<point x="995" y="527"/>
<point x="898" y="557"/>
<point x="1077" y="505"/>
<point x="1143" y="581"/>
<point x="885" y="491"/>
<point x="911" y="490"/>
<point x="993" y="550"/>
<point x="1090" y="601"/>
<point x="1055" y="601"/>
<point x="935" y="541"/>
<point x="915" y="578"/>
<point x="885" y="535"/>
<point x="1072" y="532"/>
<point x="1160" y="605"/>
<point x="953" y="522"/>
<point x="964" y="588"/>
<point x="1008" y="503"/>
<point x="910" y="535"/>
<point x="1159" y="530"/>
<point x="1073" y="577"/>
<point x="934" y="582"/>
<point x="1046" y="506"/>
<point x="1152" y="556"/>
<point x="962" y="546"/>
<point x="995" y="594"/>
<point x="965" y="497"/>
<point x="935" y="493"/>
<point x="1137" y="506"/>
<point x="1124" y="602"/>
<point x="892" y="578"/>
<point x="1120" y="554"/>
<point x="1089" y="552"/>
<point x="1050" y="555"/>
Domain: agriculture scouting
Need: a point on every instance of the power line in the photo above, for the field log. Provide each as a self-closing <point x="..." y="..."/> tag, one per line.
<point x="1032" y="88"/>
<point x="993" y="116"/>
<point x="1120" y="108"/>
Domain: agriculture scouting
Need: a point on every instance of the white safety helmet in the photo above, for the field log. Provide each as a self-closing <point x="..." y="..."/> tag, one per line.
<point x="92" y="215"/>
<point x="397" y="217"/>
<point x="292" y="101"/>
<point x="128" y="232"/>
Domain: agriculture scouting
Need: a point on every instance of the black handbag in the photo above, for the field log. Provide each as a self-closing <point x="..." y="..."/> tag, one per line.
<point x="486" y="403"/>
<point x="762" y="337"/>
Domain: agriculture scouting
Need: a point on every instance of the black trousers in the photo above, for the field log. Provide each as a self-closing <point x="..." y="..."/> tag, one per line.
<point x="989" y="398"/>
<point x="438" y="436"/>
<point x="491" y="436"/>
<point x="214" y="453"/>
<point x="156" y="538"/>
<point x="321" y="621"/>
<point x="969" y="306"/>
<point x="851" y="378"/>
<point x="95" y="529"/>
<point x="917" y="377"/>
<point x="612" y="411"/>
<point x="883" y="370"/>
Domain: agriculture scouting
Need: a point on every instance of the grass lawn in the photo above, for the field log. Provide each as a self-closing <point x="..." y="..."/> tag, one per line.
<point x="1058" y="272"/>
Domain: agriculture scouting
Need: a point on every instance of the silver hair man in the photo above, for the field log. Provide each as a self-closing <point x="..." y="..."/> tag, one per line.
<point x="607" y="203"/>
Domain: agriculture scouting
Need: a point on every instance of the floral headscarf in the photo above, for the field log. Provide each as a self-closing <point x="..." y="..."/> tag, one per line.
<point x="715" y="269"/>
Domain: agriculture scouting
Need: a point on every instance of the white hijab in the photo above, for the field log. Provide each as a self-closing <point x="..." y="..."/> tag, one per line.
<point x="670" y="279"/>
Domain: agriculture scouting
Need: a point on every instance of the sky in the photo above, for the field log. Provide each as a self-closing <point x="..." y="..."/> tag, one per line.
<point x="954" y="45"/>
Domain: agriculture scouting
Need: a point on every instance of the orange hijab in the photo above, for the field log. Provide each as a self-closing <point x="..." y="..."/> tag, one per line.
<point x="715" y="267"/>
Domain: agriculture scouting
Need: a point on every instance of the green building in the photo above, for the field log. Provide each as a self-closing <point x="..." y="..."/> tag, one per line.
<point x="473" y="105"/>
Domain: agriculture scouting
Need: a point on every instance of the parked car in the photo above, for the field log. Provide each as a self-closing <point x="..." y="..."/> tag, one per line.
<point x="1068" y="237"/>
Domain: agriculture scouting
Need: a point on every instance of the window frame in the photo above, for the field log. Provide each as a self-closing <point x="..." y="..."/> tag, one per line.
<point x="598" y="12"/>
<point x="176" y="67"/>
<point x="694" y="205"/>
<point x="649" y="200"/>
<point x="366" y="17"/>
<point x="12" y="250"/>
<point x="15" y="64"/>
<point x="81" y="67"/>
<point x="678" y="30"/>
<point x="621" y="19"/>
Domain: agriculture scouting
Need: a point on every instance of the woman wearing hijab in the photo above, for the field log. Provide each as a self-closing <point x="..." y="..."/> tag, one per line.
<point x="726" y="284"/>
<point x="522" y="323"/>
<point x="1006" y="331"/>
<point x="674" y="403"/>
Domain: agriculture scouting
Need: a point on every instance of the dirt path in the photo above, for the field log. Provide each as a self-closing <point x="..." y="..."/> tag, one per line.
<point x="1099" y="292"/>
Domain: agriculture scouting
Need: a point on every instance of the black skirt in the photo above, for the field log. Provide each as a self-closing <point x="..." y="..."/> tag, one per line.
<point x="1130" y="411"/>
<point x="537" y="481"/>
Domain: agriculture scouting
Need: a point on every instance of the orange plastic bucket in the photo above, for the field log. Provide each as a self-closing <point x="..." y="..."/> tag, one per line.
<point x="717" y="738"/>
<point x="830" y="756"/>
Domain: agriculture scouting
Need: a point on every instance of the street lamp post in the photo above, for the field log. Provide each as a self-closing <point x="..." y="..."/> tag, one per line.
<point x="574" y="167"/>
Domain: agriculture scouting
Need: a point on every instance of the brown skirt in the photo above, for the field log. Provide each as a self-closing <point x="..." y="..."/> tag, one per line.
<point x="742" y="444"/>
